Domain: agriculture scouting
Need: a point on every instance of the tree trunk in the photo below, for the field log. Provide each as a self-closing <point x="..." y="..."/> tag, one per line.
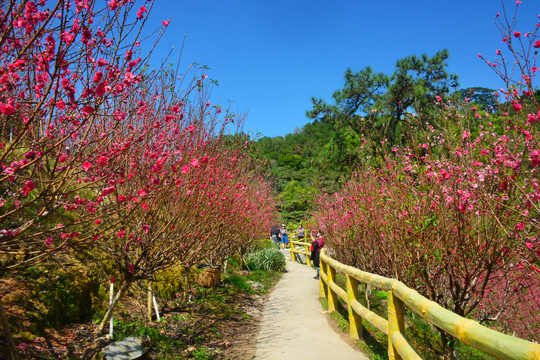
<point x="121" y="291"/>
<point x="7" y="331"/>
<point x="449" y="346"/>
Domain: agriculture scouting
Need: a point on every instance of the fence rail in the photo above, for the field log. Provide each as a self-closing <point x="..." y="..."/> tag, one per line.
<point x="300" y="247"/>
<point x="468" y="331"/>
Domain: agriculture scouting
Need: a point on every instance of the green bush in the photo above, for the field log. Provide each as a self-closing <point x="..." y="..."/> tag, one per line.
<point x="269" y="259"/>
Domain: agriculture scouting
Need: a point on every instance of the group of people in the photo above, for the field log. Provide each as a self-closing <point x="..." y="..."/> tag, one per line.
<point x="280" y="238"/>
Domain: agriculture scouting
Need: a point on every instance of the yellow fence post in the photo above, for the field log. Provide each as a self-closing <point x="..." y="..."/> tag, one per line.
<point x="396" y="313"/>
<point x="322" y="287"/>
<point x="293" y="255"/>
<point x="308" y="255"/>
<point x="355" y="321"/>
<point x="332" y="296"/>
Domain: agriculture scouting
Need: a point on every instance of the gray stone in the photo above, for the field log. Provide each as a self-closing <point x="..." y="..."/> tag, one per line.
<point x="255" y="285"/>
<point x="128" y="349"/>
<point x="258" y="299"/>
<point x="252" y="312"/>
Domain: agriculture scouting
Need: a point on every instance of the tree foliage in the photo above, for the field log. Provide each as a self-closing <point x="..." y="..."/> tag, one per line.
<point x="107" y="161"/>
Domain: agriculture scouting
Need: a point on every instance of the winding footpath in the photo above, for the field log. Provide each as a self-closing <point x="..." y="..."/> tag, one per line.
<point x="295" y="326"/>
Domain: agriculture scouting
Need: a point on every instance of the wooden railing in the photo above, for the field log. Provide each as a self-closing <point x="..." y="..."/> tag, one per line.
<point x="468" y="331"/>
<point x="301" y="247"/>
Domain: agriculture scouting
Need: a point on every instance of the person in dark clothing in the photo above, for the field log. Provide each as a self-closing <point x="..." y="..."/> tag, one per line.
<point x="316" y="246"/>
<point x="274" y="235"/>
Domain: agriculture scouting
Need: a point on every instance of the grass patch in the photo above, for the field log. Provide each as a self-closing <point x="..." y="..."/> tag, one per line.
<point x="239" y="282"/>
<point x="341" y="322"/>
<point x="201" y="354"/>
<point x="267" y="278"/>
<point x="158" y="337"/>
<point x="324" y="303"/>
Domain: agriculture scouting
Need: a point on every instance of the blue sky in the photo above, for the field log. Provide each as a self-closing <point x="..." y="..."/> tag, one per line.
<point x="271" y="57"/>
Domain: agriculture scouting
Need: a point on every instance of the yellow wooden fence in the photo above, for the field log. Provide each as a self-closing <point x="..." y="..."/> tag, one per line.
<point x="468" y="331"/>
<point x="302" y="247"/>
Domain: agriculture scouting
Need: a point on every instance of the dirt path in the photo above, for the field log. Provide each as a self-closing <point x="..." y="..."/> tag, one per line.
<point x="294" y="324"/>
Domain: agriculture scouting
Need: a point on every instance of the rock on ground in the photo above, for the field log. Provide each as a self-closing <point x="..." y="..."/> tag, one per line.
<point x="128" y="349"/>
<point x="257" y="286"/>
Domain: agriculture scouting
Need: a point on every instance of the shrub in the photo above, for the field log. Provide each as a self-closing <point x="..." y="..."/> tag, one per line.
<point x="266" y="259"/>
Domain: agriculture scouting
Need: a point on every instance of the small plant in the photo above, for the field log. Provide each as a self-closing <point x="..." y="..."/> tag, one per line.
<point x="324" y="302"/>
<point x="201" y="354"/>
<point x="181" y="317"/>
<point x="266" y="259"/>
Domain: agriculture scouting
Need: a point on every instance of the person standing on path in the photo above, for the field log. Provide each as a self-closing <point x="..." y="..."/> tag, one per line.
<point x="274" y="235"/>
<point x="301" y="233"/>
<point x="316" y="246"/>
<point x="284" y="236"/>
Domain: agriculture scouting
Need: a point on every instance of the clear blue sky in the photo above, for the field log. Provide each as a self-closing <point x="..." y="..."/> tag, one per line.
<point x="271" y="57"/>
